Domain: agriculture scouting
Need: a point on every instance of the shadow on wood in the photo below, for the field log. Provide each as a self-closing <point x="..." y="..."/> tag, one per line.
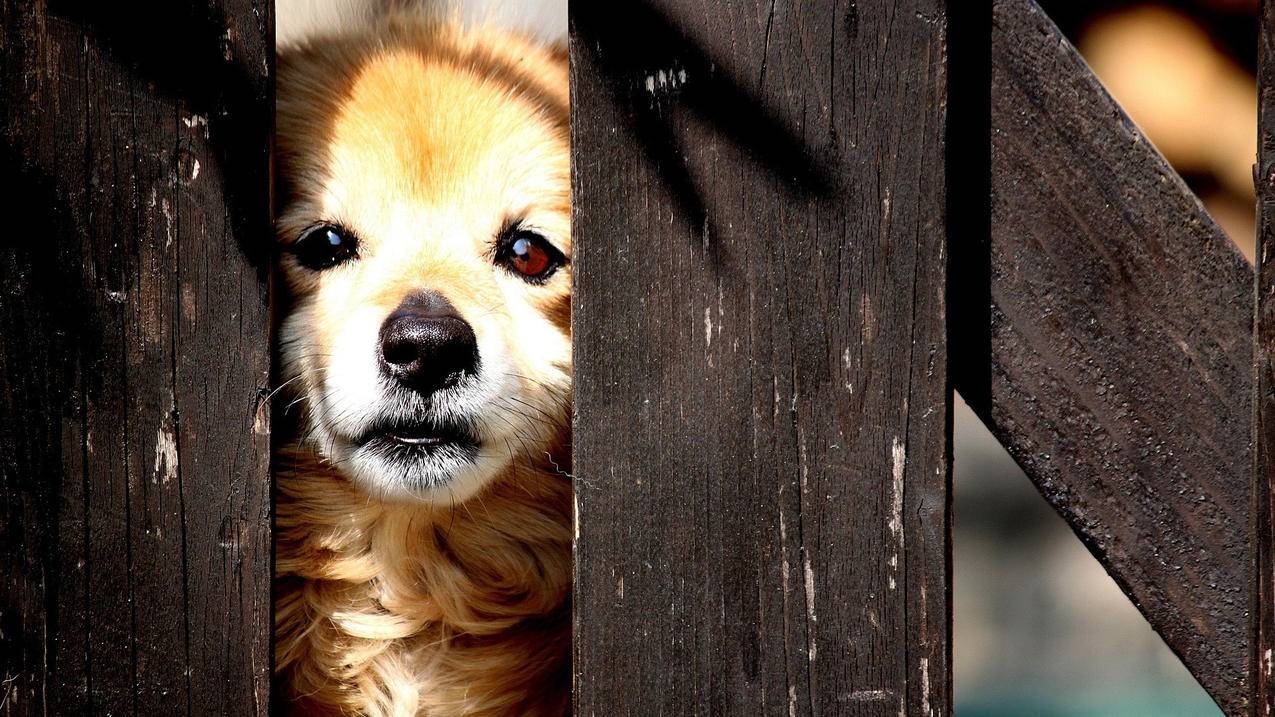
<point x="649" y="64"/>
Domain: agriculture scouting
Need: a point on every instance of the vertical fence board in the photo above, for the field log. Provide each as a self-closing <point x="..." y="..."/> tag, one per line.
<point x="1107" y="342"/>
<point x="760" y="372"/>
<point x="1262" y="662"/>
<point x="134" y="346"/>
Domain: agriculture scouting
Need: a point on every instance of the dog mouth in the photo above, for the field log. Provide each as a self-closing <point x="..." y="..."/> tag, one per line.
<point x="419" y="438"/>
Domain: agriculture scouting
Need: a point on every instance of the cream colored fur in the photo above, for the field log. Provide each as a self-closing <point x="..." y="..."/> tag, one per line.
<point x="424" y="135"/>
<point x="296" y="20"/>
<point x="391" y="609"/>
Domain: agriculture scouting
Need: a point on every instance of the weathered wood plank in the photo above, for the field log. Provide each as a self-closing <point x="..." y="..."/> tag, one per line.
<point x="1105" y="338"/>
<point x="760" y="373"/>
<point x="134" y="342"/>
<point x="1262" y="661"/>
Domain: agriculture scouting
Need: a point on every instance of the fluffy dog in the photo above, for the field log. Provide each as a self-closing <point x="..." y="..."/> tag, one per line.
<point x="424" y="504"/>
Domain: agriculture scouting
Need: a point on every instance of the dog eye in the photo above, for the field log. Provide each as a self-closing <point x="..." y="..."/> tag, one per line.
<point x="530" y="255"/>
<point x="324" y="247"/>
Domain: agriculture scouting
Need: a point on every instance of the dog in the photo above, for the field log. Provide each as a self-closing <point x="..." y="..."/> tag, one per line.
<point x="423" y="493"/>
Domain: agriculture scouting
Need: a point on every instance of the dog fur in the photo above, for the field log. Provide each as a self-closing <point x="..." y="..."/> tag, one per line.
<point x="425" y="134"/>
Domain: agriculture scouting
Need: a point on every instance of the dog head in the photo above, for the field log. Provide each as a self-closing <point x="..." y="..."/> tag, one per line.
<point x="424" y="230"/>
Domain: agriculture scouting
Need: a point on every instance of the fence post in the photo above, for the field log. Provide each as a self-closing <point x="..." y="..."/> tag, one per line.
<point x="762" y="409"/>
<point x="134" y="347"/>
<point x="1263" y="609"/>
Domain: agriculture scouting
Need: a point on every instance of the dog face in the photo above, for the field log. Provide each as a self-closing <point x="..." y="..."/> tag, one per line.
<point x="425" y="241"/>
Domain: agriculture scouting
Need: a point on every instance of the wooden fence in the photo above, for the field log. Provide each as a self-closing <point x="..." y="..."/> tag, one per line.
<point x="134" y="346"/>
<point x="799" y="226"/>
<point x="761" y="359"/>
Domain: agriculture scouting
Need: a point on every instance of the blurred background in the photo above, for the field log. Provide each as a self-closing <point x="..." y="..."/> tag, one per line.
<point x="1040" y="629"/>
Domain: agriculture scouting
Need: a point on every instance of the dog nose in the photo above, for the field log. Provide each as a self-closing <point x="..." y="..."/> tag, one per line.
<point x="426" y="345"/>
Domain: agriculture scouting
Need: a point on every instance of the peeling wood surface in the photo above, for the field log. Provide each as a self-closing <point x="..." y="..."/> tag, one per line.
<point x="1113" y="354"/>
<point x="760" y="375"/>
<point x="133" y="345"/>
<point x="1262" y="659"/>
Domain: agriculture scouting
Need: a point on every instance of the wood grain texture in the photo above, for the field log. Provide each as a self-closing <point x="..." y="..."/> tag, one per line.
<point x="1262" y="658"/>
<point x="134" y="343"/>
<point x="760" y="362"/>
<point x="1105" y="326"/>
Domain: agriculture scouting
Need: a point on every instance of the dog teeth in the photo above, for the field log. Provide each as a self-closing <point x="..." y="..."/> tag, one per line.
<point x="418" y="440"/>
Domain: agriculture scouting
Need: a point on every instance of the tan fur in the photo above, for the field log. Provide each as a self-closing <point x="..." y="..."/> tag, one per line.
<point x="391" y="609"/>
<point x="424" y="137"/>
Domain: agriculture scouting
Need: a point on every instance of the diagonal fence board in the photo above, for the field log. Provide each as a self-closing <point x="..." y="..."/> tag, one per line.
<point x="761" y="396"/>
<point x="1113" y="354"/>
<point x="1262" y="663"/>
<point x="134" y="342"/>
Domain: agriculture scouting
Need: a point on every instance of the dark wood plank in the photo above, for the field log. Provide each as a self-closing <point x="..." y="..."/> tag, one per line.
<point x="134" y="343"/>
<point x="1262" y="662"/>
<point x="1105" y="337"/>
<point x="760" y="373"/>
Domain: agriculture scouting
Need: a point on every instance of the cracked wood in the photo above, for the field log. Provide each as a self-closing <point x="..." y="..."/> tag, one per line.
<point x="1262" y="657"/>
<point x="133" y="344"/>
<point x="761" y="392"/>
